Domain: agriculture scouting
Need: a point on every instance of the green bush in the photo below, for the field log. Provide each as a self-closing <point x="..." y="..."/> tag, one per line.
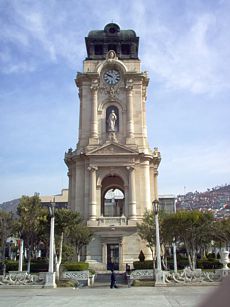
<point x="39" y="266"/>
<point x="211" y="256"/>
<point x="143" y="265"/>
<point x="75" y="266"/>
<point x="12" y="265"/>
<point x="36" y="266"/>
<point x="182" y="262"/>
<point x="209" y="264"/>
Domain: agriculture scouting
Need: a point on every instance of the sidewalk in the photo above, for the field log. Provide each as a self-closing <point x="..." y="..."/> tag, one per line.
<point x="106" y="297"/>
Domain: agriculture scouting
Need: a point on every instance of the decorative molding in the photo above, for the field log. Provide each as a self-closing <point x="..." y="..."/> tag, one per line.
<point x="111" y="149"/>
<point x="111" y="91"/>
<point x="129" y="85"/>
<point x="92" y="168"/>
<point x="94" y="85"/>
<point x="130" y="168"/>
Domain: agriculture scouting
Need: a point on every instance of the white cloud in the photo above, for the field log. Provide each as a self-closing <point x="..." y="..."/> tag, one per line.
<point x="191" y="59"/>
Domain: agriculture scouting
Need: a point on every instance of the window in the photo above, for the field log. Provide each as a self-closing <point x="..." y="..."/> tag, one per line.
<point x="98" y="49"/>
<point x="125" y="49"/>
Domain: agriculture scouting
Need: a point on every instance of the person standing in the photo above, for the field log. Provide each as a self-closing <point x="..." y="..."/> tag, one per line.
<point x="113" y="280"/>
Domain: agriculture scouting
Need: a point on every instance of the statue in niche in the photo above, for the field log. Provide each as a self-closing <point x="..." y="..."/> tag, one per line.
<point x="112" y="121"/>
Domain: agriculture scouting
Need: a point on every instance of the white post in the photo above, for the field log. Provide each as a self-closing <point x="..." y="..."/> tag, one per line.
<point x="158" y="251"/>
<point x="51" y="255"/>
<point x="159" y="274"/>
<point x="21" y="255"/>
<point x="174" y="256"/>
<point x="50" y="276"/>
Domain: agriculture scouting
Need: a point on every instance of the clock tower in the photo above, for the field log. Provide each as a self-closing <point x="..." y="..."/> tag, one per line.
<point x="112" y="172"/>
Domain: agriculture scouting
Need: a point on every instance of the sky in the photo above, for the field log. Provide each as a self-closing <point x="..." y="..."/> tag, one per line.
<point x="185" y="48"/>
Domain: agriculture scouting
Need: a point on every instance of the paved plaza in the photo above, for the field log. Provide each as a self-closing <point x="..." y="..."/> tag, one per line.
<point x="104" y="296"/>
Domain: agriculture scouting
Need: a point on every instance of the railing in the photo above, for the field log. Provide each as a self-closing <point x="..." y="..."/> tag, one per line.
<point x="112" y="221"/>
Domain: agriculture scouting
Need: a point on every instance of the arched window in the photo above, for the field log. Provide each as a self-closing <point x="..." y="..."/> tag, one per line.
<point x="114" y="203"/>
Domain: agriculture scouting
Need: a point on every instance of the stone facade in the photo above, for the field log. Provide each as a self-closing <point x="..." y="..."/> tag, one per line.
<point x="112" y="152"/>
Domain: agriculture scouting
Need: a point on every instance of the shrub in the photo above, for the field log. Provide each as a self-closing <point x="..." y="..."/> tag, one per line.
<point x="141" y="256"/>
<point x="211" y="256"/>
<point x="182" y="262"/>
<point x="35" y="266"/>
<point x="143" y="265"/>
<point x="12" y="265"/>
<point x="39" y="266"/>
<point x="76" y="266"/>
<point x="209" y="264"/>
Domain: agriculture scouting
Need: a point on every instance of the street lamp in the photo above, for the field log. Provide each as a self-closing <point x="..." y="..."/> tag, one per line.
<point x="159" y="274"/>
<point x="158" y="252"/>
<point x="50" y="276"/>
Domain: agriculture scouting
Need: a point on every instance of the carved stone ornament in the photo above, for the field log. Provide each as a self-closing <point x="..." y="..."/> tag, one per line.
<point x="112" y="136"/>
<point x="92" y="168"/>
<point x="94" y="85"/>
<point x="111" y="56"/>
<point x="111" y="91"/>
<point x="129" y="85"/>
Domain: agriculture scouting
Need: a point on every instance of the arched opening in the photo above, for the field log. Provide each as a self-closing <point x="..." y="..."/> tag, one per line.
<point x="114" y="202"/>
<point x="113" y="196"/>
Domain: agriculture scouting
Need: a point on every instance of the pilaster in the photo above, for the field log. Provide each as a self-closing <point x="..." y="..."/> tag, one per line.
<point x="129" y="125"/>
<point x="94" y="120"/>
<point x="92" y="195"/>
<point x="132" y="194"/>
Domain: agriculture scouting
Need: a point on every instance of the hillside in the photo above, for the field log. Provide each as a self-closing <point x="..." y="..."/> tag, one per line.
<point x="10" y="206"/>
<point x="215" y="200"/>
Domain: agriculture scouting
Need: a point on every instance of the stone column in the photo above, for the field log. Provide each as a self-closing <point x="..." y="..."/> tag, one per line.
<point x="94" y="122"/>
<point x="92" y="193"/>
<point x="129" y="93"/>
<point x="126" y="204"/>
<point x="146" y="186"/>
<point x="121" y="256"/>
<point x="132" y="193"/>
<point x="104" y="253"/>
<point x="144" y="112"/>
<point x="80" y="113"/>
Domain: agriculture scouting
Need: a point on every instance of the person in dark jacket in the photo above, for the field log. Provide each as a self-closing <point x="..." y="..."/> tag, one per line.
<point x="113" y="280"/>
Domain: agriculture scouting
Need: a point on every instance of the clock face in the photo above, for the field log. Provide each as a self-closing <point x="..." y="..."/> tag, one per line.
<point x="112" y="76"/>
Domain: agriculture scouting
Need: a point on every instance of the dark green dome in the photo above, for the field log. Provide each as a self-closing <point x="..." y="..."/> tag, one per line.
<point x="123" y="42"/>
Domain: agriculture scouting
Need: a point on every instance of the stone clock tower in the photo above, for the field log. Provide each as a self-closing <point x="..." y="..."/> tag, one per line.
<point x="112" y="171"/>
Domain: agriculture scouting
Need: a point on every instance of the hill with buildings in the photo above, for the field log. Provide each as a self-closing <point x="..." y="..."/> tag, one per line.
<point x="215" y="200"/>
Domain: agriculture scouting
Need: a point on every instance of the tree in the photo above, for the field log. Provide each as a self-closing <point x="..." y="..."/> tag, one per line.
<point x="65" y="220"/>
<point x="222" y="231"/>
<point x="146" y="230"/>
<point x="192" y="228"/>
<point x="31" y="218"/>
<point x="6" y="228"/>
<point x="80" y="236"/>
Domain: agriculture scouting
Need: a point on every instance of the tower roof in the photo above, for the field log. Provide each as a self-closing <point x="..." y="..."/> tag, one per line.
<point x="123" y="42"/>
